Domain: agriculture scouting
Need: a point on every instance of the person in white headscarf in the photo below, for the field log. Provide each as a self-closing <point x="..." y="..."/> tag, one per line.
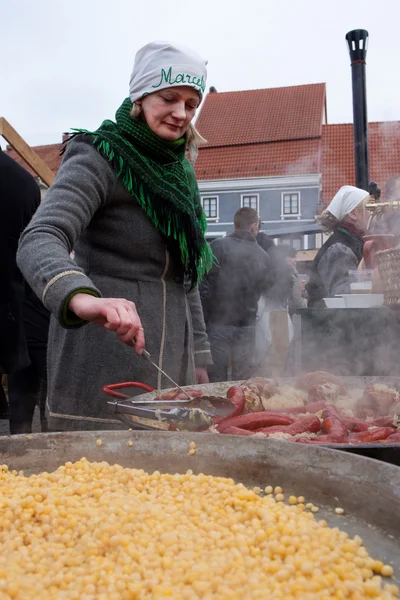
<point x="346" y="218"/>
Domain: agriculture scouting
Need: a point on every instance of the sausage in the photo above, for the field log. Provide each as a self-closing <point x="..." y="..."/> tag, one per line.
<point x="331" y="411"/>
<point x="373" y="435"/>
<point x="255" y="421"/>
<point x="305" y="381"/>
<point x="236" y="395"/>
<point x="394" y="438"/>
<point x="310" y="424"/>
<point x="349" y="424"/>
<point x="335" y="429"/>
<point x="355" y="425"/>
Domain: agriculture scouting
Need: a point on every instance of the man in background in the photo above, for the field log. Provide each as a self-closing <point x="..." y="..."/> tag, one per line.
<point x="230" y="294"/>
<point x="24" y="321"/>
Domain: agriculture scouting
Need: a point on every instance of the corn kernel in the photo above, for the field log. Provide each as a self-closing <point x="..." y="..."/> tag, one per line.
<point x="130" y="443"/>
<point x="99" y="443"/>
<point x="300" y="499"/>
<point x="387" y="571"/>
<point x="339" y="511"/>
<point x="278" y="490"/>
<point x="269" y="489"/>
<point x="314" y="509"/>
<point x="192" y="451"/>
<point x="292" y="500"/>
<point x="279" y="497"/>
<point x="111" y="533"/>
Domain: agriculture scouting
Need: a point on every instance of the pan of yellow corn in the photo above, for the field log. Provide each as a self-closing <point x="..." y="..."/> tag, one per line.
<point x="150" y="515"/>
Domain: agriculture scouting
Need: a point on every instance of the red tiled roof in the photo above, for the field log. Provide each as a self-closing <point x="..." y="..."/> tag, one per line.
<point x="338" y="155"/>
<point x="259" y="160"/>
<point x="50" y="154"/>
<point x="269" y="115"/>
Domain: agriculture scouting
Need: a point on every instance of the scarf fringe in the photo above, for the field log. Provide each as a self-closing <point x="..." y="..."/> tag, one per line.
<point x="169" y="225"/>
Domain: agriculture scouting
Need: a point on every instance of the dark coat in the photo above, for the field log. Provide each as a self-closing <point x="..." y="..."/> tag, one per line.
<point x="118" y="254"/>
<point x="19" y="199"/>
<point x="231" y="290"/>
<point x="330" y="269"/>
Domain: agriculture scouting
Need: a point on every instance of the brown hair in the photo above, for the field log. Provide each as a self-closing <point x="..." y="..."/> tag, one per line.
<point x="192" y="136"/>
<point x="244" y="218"/>
<point x="328" y="221"/>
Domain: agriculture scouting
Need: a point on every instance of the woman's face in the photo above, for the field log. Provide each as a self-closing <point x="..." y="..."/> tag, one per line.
<point x="169" y="111"/>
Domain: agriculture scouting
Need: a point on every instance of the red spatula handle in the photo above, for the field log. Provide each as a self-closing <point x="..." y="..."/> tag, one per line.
<point x="111" y="387"/>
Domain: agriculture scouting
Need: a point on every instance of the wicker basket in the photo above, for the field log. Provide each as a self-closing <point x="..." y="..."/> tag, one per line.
<point x="388" y="262"/>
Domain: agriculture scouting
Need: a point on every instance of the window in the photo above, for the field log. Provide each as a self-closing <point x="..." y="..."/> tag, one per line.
<point x="250" y="201"/>
<point x="290" y="204"/>
<point x="210" y="206"/>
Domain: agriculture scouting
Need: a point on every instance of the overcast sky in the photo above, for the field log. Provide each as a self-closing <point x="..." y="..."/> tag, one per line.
<point x="66" y="63"/>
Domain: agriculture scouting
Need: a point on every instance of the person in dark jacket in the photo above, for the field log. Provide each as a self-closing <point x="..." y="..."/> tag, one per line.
<point x="346" y="219"/>
<point x="230" y="294"/>
<point x="24" y="321"/>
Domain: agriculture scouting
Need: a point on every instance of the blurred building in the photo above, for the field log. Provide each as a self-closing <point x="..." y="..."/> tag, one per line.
<point x="273" y="150"/>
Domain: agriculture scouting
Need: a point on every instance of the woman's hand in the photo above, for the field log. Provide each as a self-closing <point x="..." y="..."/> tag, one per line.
<point x="114" y="314"/>
<point x="201" y="375"/>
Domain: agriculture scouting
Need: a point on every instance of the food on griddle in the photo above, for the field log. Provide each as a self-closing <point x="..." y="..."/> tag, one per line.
<point x="257" y="391"/>
<point x="377" y="400"/>
<point x="95" y="531"/>
<point x="325" y="392"/>
<point x="306" y="381"/>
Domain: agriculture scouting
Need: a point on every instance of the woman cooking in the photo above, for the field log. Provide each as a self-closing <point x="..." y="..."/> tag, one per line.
<point x="126" y="200"/>
<point x="346" y="218"/>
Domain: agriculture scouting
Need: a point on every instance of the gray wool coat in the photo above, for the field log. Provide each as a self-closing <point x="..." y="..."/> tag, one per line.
<point x="118" y="254"/>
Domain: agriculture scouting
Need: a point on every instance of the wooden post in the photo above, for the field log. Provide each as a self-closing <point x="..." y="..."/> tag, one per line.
<point x="26" y="152"/>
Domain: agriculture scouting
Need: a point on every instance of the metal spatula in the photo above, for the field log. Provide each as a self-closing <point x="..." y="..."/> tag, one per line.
<point x="147" y="356"/>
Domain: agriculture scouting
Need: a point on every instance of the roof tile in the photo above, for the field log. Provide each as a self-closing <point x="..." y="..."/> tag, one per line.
<point x="259" y="160"/>
<point x="268" y="115"/>
<point x="338" y="155"/>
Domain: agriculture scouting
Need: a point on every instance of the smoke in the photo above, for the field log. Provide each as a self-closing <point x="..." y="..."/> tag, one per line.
<point x="305" y="165"/>
<point x="384" y="151"/>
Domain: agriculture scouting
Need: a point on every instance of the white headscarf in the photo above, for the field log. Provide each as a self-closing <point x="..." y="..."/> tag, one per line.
<point x="161" y="65"/>
<point x="346" y="200"/>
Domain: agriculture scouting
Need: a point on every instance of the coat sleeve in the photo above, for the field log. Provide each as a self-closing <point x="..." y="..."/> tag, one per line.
<point x="334" y="269"/>
<point x="296" y="300"/>
<point x="208" y="283"/>
<point x="83" y="184"/>
<point x="202" y="353"/>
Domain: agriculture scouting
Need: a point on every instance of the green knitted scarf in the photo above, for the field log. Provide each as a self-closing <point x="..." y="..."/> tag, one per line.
<point x="162" y="180"/>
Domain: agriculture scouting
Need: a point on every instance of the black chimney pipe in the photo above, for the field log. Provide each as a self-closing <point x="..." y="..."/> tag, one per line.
<point x="357" y="41"/>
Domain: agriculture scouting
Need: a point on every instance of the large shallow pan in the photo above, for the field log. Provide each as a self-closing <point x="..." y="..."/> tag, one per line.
<point x="368" y="491"/>
<point x="387" y="453"/>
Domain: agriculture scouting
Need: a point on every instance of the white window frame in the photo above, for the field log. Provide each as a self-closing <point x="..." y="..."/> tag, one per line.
<point x="291" y="215"/>
<point x="257" y="196"/>
<point x="211" y="197"/>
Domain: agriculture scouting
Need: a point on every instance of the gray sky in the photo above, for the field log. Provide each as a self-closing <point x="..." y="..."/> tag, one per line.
<point x="67" y="63"/>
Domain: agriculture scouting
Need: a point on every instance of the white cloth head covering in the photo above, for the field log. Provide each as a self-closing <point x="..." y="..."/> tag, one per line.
<point x="161" y="65"/>
<point x="346" y="200"/>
